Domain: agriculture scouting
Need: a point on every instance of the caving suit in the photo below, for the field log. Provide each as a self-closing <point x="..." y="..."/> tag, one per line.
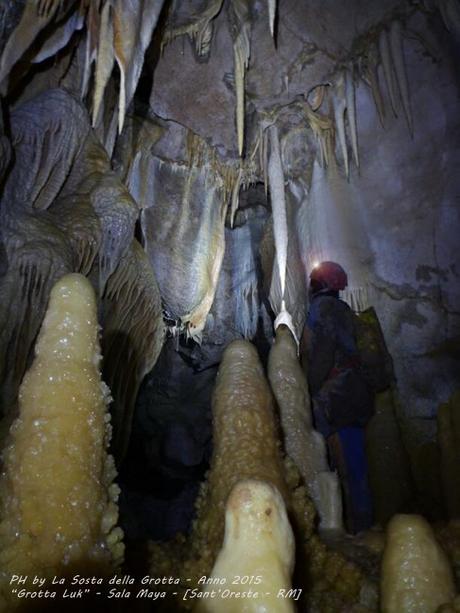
<point x="342" y="400"/>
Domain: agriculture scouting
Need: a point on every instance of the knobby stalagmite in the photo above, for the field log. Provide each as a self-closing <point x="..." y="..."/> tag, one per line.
<point x="245" y="437"/>
<point x="303" y="444"/>
<point x="59" y="509"/>
<point x="416" y="575"/>
<point x="259" y="545"/>
<point x="245" y="447"/>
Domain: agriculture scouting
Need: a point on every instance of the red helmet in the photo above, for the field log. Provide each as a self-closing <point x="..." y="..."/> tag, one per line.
<point x="331" y="275"/>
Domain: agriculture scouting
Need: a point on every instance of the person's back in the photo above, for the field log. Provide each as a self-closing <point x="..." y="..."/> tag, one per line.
<point x="333" y="366"/>
<point x="342" y="402"/>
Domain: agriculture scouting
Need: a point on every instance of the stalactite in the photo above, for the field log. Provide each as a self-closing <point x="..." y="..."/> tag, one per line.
<point x="105" y="58"/>
<point x="197" y="29"/>
<point x="384" y="49"/>
<point x="397" y="54"/>
<point x="277" y="197"/>
<point x="263" y="161"/>
<point x="258" y="543"/>
<point x="416" y="575"/>
<point x="351" y="112"/>
<point x="303" y="444"/>
<point x="272" y="15"/>
<point x="340" y="104"/>
<point x="46" y="7"/>
<point x="280" y="230"/>
<point x="59" y="508"/>
<point x="241" y="34"/>
<point x="336" y="235"/>
<point x="92" y="30"/>
<point x="60" y="37"/>
<point x="32" y="22"/>
<point x="323" y="129"/>
<point x="371" y="76"/>
<point x="133" y="23"/>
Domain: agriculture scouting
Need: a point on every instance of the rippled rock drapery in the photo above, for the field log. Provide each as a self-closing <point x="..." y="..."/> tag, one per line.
<point x="63" y="210"/>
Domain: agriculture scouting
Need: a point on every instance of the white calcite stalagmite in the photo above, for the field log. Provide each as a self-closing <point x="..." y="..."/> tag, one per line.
<point x="257" y="557"/>
<point x="303" y="444"/>
<point x="416" y="575"/>
<point x="59" y="511"/>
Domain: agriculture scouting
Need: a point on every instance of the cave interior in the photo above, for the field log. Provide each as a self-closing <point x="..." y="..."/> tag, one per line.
<point x="171" y="172"/>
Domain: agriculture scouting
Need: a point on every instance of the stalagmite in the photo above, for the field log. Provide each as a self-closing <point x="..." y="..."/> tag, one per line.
<point x="245" y="442"/>
<point x="340" y="104"/>
<point x="449" y="445"/>
<point x="258" y="544"/>
<point x="351" y="112"/>
<point x="397" y="53"/>
<point x="389" y="473"/>
<point x="59" y="507"/>
<point x="387" y="68"/>
<point x="303" y="444"/>
<point x="416" y="575"/>
<point x="245" y="447"/>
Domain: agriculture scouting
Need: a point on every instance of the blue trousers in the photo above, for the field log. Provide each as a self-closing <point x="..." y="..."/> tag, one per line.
<point x="348" y="455"/>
